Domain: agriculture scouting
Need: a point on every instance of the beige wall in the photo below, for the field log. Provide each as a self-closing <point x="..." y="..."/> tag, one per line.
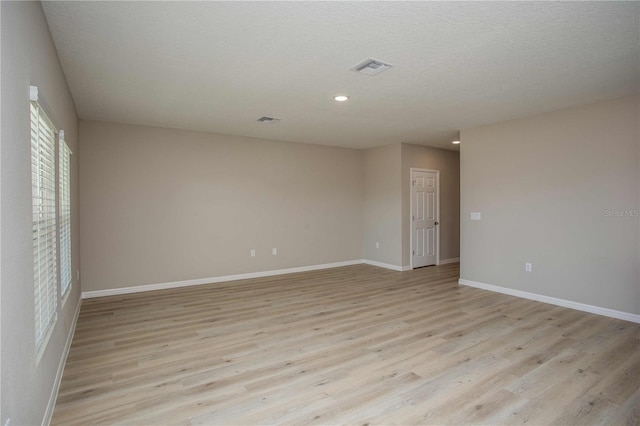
<point x="171" y="205"/>
<point x="448" y="163"/>
<point x="28" y="58"/>
<point x="161" y="205"/>
<point x="387" y="197"/>
<point x="382" y="205"/>
<point x="543" y="185"/>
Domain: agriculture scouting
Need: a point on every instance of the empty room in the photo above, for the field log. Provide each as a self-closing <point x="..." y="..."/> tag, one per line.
<point x="323" y="213"/>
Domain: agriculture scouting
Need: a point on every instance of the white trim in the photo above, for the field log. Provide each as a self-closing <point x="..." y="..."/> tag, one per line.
<point x="385" y="265"/>
<point x="451" y="260"/>
<point x="45" y="340"/>
<point x="437" y="172"/>
<point x="554" y="301"/>
<point x="63" y="360"/>
<point x="213" y="280"/>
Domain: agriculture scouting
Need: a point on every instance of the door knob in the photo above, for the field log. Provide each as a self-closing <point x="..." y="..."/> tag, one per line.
<point x="436" y="223"/>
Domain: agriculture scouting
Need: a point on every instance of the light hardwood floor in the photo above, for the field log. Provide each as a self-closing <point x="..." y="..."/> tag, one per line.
<point x="352" y="345"/>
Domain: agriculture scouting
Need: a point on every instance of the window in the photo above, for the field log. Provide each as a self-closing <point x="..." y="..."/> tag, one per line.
<point x="43" y="184"/>
<point x="64" y="170"/>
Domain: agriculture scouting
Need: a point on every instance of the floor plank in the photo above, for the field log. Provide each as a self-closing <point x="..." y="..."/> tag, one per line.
<point x="351" y="345"/>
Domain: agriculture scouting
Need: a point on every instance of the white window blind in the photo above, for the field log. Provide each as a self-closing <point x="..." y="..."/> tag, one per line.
<point x="43" y="184"/>
<point x="64" y="170"/>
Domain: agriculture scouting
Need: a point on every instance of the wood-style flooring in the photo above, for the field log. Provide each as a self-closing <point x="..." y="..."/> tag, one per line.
<point x="352" y="345"/>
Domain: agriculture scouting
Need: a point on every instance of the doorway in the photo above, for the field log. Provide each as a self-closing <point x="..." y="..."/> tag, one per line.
<point x="425" y="217"/>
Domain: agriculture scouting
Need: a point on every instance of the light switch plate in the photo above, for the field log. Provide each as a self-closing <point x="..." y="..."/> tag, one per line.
<point x="476" y="216"/>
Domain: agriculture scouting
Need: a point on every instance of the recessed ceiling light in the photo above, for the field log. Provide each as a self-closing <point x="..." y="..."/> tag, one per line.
<point x="456" y="142"/>
<point x="341" y="98"/>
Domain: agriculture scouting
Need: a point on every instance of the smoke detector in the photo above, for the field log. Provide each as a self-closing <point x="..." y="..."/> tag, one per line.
<point x="371" y="67"/>
<point x="268" y="120"/>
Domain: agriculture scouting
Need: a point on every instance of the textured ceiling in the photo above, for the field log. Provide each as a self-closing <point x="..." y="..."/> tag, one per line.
<point x="219" y="66"/>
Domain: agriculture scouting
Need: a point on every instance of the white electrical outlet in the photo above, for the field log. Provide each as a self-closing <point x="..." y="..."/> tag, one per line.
<point x="377" y="244"/>
<point x="274" y="251"/>
<point x="253" y="253"/>
<point x="476" y="216"/>
<point x="527" y="267"/>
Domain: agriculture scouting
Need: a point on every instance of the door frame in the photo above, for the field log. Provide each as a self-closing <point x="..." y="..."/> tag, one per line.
<point x="437" y="172"/>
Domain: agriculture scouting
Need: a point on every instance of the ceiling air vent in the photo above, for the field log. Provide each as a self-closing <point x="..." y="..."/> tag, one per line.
<point x="371" y="67"/>
<point x="268" y="120"/>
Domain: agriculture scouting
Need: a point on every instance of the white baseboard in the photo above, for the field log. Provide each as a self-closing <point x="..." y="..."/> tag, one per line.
<point x="385" y="265"/>
<point x="451" y="260"/>
<point x="63" y="360"/>
<point x="554" y="301"/>
<point x="213" y="280"/>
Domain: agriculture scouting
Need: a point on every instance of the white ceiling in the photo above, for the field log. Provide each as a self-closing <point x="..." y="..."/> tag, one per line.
<point x="219" y="66"/>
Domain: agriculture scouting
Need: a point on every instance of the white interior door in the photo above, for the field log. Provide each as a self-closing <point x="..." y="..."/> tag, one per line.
<point x="424" y="218"/>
